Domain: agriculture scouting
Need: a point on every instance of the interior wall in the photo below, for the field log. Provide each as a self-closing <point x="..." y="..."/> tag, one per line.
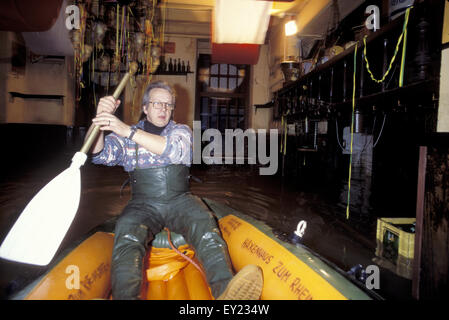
<point x="276" y="42"/>
<point x="39" y="78"/>
<point x="260" y="91"/>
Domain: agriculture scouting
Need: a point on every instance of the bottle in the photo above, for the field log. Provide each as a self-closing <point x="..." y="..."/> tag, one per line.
<point x="188" y="66"/>
<point x="162" y="65"/>
<point x="170" y="66"/>
<point x="178" y="66"/>
<point x="183" y="67"/>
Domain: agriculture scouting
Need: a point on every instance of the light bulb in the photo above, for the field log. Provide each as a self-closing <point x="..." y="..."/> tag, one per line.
<point x="291" y="28"/>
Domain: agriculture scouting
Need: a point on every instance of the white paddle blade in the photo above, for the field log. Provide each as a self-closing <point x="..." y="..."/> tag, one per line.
<point x="41" y="227"/>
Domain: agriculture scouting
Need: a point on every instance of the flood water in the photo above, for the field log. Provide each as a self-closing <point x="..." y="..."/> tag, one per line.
<point x="276" y="200"/>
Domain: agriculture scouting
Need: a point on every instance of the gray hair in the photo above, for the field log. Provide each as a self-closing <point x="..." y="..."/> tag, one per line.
<point x="158" y="85"/>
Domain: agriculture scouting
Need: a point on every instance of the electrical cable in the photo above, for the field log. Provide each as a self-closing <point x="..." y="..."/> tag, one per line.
<point x="338" y="138"/>
<point x="380" y="133"/>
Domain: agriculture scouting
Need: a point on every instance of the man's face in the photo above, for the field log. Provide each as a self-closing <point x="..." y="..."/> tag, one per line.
<point x="157" y="112"/>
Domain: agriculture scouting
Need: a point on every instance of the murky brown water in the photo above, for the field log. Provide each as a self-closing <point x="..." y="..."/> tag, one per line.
<point x="267" y="198"/>
<point x="276" y="203"/>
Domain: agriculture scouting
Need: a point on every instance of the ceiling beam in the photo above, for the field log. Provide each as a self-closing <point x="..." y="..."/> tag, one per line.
<point x="200" y="5"/>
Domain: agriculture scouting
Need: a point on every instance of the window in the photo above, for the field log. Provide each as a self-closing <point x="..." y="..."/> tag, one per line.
<point x="222" y="95"/>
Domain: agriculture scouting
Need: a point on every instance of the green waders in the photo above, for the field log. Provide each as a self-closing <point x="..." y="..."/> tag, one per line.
<point x="161" y="198"/>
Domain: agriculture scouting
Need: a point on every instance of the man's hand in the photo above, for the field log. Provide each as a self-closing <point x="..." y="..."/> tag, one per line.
<point x="106" y="120"/>
<point x="108" y="105"/>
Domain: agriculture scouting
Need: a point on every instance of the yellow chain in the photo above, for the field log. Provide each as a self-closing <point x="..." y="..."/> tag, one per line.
<point x="403" y="34"/>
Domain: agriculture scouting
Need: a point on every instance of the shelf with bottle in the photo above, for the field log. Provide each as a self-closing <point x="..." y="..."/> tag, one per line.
<point x="174" y="66"/>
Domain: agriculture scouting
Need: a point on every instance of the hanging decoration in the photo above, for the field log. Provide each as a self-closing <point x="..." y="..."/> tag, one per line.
<point x="402" y="37"/>
<point x="80" y="50"/>
<point x="112" y="34"/>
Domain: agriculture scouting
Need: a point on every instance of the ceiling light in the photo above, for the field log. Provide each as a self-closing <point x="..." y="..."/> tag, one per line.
<point x="291" y="28"/>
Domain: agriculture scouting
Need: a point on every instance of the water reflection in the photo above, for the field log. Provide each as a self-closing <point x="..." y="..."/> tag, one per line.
<point x="276" y="202"/>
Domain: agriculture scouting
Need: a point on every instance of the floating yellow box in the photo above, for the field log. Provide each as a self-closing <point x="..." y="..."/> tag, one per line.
<point x="396" y="243"/>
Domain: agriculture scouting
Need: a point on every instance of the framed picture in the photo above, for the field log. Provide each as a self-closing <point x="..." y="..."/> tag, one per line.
<point x="169" y="47"/>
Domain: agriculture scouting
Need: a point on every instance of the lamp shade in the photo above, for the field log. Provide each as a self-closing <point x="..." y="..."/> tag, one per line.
<point x="240" y="21"/>
<point x="235" y="53"/>
<point x="238" y="29"/>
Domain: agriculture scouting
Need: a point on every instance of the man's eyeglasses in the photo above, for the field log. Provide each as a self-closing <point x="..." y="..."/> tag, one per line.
<point x="159" y="105"/>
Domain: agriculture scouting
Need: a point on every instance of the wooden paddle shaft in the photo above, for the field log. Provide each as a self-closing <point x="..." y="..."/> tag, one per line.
<point x="94" y="133"/>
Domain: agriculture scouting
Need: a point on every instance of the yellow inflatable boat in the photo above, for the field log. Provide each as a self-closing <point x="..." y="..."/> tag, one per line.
<point x="291" y="272"/>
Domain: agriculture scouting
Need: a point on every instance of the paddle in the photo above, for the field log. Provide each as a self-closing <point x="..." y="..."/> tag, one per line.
<point x="38" y="232"/>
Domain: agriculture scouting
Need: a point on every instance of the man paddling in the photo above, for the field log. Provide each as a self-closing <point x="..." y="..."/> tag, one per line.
<point x="157" y="153"/>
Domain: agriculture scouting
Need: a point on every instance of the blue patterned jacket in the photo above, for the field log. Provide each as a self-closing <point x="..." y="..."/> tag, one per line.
<point x="119" y="151"/>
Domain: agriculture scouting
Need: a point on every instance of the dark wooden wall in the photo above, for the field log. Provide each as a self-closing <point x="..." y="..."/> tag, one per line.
<point x="431" y="279"/>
